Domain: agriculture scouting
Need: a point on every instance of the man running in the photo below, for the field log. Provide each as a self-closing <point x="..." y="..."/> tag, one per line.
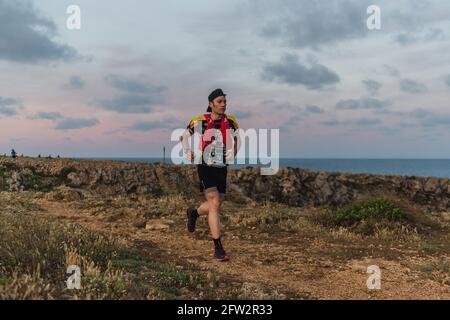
<point x="219" y="143"/>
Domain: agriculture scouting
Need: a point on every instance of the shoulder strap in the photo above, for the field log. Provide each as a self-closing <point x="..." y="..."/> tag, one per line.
<point x="233" y="121"/>
<point x="207" y="117"/>
<point x="224" y="124"/>
<point x="195" y="119"/>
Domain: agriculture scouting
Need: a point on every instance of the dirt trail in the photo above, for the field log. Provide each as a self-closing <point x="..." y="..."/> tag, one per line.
<point x="277" y="266"/>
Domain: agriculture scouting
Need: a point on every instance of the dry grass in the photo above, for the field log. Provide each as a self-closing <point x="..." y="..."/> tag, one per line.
<point x="37" y="251"/>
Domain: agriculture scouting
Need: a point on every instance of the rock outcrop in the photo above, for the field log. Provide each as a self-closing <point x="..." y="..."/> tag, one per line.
<point x="296" y="187"/>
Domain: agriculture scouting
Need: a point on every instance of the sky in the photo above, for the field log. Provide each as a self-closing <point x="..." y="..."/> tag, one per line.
<point x="136" y="70"/>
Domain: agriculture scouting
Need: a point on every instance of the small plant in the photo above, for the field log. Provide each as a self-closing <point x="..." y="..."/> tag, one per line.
<point x="369" y="209"/>
<point x="429" y="248"/>
<point x="171" y="276"/>
<point x="8" y="166"/>
<point x="64" y="172"/>
<point x="425" y="268"/>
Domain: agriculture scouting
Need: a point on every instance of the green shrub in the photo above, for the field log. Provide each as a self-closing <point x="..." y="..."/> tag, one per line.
<point x="64" y="172"/>
<point x="376" y="209"/>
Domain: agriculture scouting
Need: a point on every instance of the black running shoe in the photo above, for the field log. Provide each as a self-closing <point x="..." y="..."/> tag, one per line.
<point x="220" y="254"/>
<point x="192" y="216"/>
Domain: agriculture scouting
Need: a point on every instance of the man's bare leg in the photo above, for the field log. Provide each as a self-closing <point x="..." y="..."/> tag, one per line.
<point x="203" y="209"/>
<point x="213" y="200"/>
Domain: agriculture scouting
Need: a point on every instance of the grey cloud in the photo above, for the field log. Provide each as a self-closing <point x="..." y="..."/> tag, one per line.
<point x="436" y="120"/>
<point x="290" y="70"/>
<point x="364" y="103"/>
<point x="419" y="113"/>
<point x="372" y="86"/>
<point x="412" y="86"/>
<point x="129" y="103"/>
<point x="149" y="125"/>
<point x="8" y="111"/>
<point x="285" y="106"/>
<point x="367" y="121"/>
<point x="407" y="38"/>
<point x="332" y="122"/>
<point x="9" y="107"/>
<point x="138" y="96"/>
<point x="242" y="114"/>
<point x="133" y="86"/>
<point x="392" y="71"/>
<point x="313" y="109"/>
<point x="8" y="101"/>
<point x="296" y="111"/>
<point x="447" y="81"/>
<point x="349" y="104"/>
<point x="75" y="82"/>
<point x="307" y="23"/>
<point x="429" y="118"/>
<point x="389" y="112"/>
<point x="28" y="37"/>
<point x="47" y="116"/>
<point x="435" y="34"/>
<point x="407" y="125"/>
<point x="315" y="24"/>
<point x="423" y="117"/>
<point x="65" y="123"/>
<point x="293" y="121"/>
<point x="76" y="123"/>
<point x="356" y="122"/>
<point x="164" y="122"/>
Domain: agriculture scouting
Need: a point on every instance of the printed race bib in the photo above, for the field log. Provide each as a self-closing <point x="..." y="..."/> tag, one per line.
<point x="216" y="156"/>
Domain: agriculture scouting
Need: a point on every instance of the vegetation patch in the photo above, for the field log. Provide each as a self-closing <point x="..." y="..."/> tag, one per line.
<point x="383" y="217"/>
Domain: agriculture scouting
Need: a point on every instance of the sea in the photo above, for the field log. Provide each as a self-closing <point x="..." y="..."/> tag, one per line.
<point x="403" y="167"/>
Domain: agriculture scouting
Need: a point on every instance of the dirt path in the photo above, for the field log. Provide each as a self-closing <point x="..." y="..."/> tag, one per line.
<point x="273" y="267"/>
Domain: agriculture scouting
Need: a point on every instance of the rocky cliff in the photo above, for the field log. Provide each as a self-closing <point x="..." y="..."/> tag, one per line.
<point x="296" y="187"/>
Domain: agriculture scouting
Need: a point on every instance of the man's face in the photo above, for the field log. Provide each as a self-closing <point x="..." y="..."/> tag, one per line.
<point x="219" y="105"/>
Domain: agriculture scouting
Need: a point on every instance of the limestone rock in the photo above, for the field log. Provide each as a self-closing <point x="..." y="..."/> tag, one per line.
<point x="292" y="186"/>
<point x="156" y="224"/>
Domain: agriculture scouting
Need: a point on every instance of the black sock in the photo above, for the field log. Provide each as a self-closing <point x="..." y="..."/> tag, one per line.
<point x="217" y="243"/>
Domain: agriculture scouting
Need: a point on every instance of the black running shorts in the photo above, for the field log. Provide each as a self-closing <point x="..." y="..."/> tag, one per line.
<point x="212" y="177"/>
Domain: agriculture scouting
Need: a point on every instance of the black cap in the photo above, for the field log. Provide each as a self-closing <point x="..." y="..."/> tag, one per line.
<point x="216" y="93"/>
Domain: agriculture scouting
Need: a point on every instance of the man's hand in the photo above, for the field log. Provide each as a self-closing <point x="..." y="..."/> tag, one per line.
<point x="186" y="148"/>
<point x="190" y="155"/>
<point x="229" y="155"/>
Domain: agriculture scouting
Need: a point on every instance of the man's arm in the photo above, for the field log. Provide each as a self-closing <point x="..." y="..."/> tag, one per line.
<point x="237" y="143"/>
<point x="236" y="138"/>
<point x="186" y="136"/>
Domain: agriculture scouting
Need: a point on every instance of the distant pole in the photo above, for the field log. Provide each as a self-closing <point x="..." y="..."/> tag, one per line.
<point x="164" y="154"/>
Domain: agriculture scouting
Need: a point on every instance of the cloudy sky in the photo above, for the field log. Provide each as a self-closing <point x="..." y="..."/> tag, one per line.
<point x="138" y="69"/>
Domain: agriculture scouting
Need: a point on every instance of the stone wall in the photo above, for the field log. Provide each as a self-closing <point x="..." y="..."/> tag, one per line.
<point x="292" y="186"/>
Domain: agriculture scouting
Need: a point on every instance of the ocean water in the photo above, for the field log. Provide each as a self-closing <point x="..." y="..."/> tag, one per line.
<point x="403" y="167"/>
